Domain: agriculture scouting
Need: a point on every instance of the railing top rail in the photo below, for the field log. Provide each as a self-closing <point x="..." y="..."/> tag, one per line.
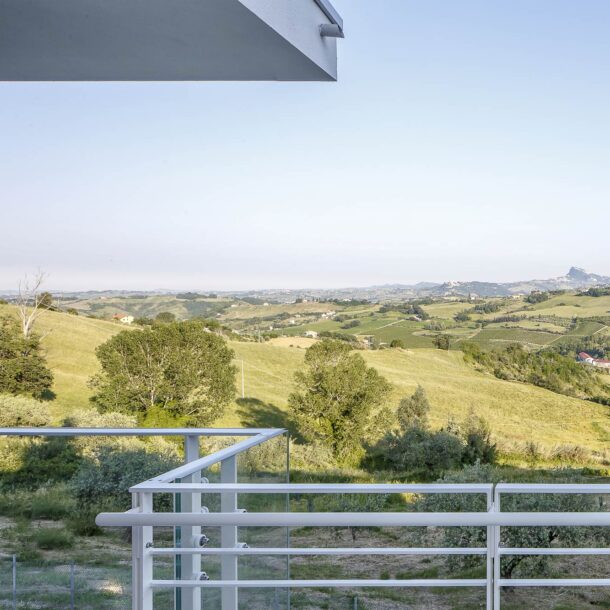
<point x="136" y="431"/>
<point x="481" y="519"/>
<point x="300" y="584"/>
<point x="207" y="461"/>
<point x="317" y="488"/>
<point x="553" y="488"/>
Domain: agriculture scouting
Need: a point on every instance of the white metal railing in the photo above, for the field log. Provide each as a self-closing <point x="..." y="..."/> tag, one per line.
<point x="187" y="485"/>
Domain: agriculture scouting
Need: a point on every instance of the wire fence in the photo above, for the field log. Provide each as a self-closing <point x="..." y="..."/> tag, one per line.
<point x="63" y="586"/>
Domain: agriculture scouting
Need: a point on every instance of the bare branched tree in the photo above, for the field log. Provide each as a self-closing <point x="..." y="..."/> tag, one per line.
<point x="32" y="302"/>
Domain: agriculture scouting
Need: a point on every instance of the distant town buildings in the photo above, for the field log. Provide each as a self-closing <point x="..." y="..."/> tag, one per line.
<point x="591" y="361"/>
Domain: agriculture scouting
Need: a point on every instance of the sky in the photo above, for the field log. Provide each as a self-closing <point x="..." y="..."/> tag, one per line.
<point x="463" y="141"/>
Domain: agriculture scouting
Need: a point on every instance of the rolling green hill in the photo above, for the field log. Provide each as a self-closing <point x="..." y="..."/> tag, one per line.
<point x="516" y="412"/>
<point x="70" y="342"/>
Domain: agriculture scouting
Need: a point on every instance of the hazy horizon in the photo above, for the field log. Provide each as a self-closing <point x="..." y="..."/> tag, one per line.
<point x="462" y="142"/>
<point x="48" y="285"/>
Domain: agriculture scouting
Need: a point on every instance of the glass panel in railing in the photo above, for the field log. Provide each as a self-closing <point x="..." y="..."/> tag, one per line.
<point x="264" y="464"/>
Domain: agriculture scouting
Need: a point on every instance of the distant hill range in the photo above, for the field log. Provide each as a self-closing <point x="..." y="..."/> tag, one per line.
<point x="575" y="279"/>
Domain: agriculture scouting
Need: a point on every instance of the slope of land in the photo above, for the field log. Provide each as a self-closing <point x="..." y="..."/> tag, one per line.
<point x="516" y="412"/>
<point x="69" y="343"/>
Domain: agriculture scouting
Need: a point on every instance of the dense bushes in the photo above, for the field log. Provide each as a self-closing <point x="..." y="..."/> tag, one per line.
<point x="407" y="309"/>
<point x="546" y="369"/>
<point x="425" y="454"/>
<point x="105" y="480"/>
<point x="520" y="537"/>
<point x="537" y="297"/>
<point x="21" y="411"/>
<point x="462" y="316"/>
<point x="488" y="307"/>
<point x="596" y="292"/>
<point x="597" y="346"/>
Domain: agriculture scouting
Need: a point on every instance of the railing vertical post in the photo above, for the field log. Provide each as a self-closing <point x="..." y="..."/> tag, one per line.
<point x="497" y="556"/>
<point x="228" y="534"/>
<point x="191" y="503"/>
<point x="135" y="559"/>
<point x="144" y="557"/>
<point x="72" y="591"/>
<point x="490" y="554"/>
<point x="14" y="582"/>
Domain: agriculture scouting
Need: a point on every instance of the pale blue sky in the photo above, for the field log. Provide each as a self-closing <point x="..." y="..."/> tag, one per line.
<point x="464" y="140"/>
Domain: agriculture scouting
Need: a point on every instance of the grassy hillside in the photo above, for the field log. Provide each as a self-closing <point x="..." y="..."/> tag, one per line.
<point x="516" y="412"/>
<point x="70" y="342"/>
<point x="149" y="306"/>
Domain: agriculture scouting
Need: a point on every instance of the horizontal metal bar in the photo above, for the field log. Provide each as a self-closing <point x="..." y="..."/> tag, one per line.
<point x="298" y="584"/>
<point x="134" y="431"/>
<point x="554" y="582"/>
<point x="321" y="551"/>
<point x="355" y="519"/>
<point x="553" y="488"/>
<point x="554" y="551"/>
<point x="322" y="488"/>
<point x="207" y="461"/>
<point x="329" y="10"/>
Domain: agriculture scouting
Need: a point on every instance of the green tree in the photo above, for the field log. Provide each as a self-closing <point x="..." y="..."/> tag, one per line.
<point x="165" y="317"/>
<point x="23" y="368"/>
<point x="478" y="446"/>
<point x="413" y="411"/>
<point x="181" y="368"/>
<point x="335" y="399"/>
<point x="397" y="344"/>
<point x="45" y="300"/>
<point x="442" y="342"/>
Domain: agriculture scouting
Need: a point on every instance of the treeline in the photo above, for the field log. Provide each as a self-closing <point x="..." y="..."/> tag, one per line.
<point x="603" y="291"/>
<point x="597" y="346"/>
<point x="547" y="369"/>
<point x="407" y="309"/>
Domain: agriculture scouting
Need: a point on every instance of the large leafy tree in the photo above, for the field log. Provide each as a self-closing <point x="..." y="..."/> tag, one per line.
<point x="336" y="395"/>
<point x="180" y="369"/>
<point x="23" y="368"/>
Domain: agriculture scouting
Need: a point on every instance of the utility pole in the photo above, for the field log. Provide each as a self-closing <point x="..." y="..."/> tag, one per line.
<point x="243" y="383"/>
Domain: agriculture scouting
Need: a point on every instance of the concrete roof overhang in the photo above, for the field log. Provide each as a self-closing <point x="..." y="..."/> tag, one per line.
<point x="168" y="40"/>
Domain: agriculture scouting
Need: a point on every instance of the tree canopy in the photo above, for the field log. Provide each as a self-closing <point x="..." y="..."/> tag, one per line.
<point x="23" y="368"/>
<point x="179" y="369"/>
<point x="335" y="397"/>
